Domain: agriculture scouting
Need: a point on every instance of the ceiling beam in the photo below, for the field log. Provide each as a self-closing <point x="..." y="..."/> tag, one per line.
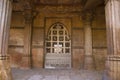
<point x="93" y="3"/>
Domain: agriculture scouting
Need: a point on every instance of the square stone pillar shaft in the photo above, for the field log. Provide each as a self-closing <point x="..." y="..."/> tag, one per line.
<point x="27" y="58"/>
<point x="88" y="62"/>
<point x="112" y="11"/>
<point x="5" y="17"/>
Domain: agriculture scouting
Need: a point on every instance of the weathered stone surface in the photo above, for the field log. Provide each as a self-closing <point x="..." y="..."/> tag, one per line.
<point x="38" y="40"/>
<point x="78" y="40"/>
<point x="78" y="58"/>
<point x="88" y="59"/>
<point x="16" y="37"/>
<point x="37" y="58"/>
<point x="99" y="56"/>
<point x="17" y="19"/>
<point x="99" y="38"/>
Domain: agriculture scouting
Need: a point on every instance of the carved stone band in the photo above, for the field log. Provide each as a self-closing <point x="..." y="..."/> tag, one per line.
<point x="113" y="58"/>
<point x="4" y="57"/>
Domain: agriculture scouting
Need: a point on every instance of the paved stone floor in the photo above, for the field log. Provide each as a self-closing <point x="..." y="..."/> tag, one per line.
<point x="45" y="74"/>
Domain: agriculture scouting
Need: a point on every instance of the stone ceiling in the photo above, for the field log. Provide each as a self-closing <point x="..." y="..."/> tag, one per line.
<point x="85" y="4"/>
<point x="54" y="2"/>
<point x="93" y="3"/>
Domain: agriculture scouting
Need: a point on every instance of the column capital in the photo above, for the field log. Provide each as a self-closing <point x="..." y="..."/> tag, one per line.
<point x="27" y="4"/>
<point x="88" y="16"/>
<point x="29" y="15"/>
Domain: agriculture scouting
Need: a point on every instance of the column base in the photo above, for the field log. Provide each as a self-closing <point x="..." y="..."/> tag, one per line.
<point x="26" y="62"/>
<point x="113" y="67"/>
<point x="89" y="64"/>
<point x="5" y="69"/>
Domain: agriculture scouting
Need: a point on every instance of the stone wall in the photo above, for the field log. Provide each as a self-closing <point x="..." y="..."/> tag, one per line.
<point x="16" y="41"/>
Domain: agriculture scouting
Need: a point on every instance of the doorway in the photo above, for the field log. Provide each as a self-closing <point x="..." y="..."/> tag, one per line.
<point x="58" y="47"/>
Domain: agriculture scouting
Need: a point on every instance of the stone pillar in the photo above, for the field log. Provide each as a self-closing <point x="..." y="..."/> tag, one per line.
<point x="5" y="17"/>
<point x="88" y="62"/>
<point x="112" y="12"/>
<point x="27" y="58"/>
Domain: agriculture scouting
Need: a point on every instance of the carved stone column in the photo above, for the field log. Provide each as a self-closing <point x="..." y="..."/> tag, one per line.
<point x="112" y="12"/>
<point x="26" y="60"/>
<point x="88" y="62"/>
<point x="5" y="17"/>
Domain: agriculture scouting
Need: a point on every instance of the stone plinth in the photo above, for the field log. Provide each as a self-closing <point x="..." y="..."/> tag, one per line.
<point x="5" y="70"/>
<point x="113" y="67"/>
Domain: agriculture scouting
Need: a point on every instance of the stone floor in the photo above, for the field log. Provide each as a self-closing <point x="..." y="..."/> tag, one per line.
<point x="45" y="74"/>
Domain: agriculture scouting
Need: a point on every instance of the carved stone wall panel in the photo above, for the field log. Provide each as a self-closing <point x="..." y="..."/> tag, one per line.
<point x="78" y="58"/>
<point x="37" y="57"/>
<point x="17" y="19"/>
<point x="99" y="38"/>
<point x="100" y="58"/>
<point x="16" y="54"/>
<point x="38" y="37"/>
<point x="78" y="38"/>
<point x="16" y="37"/>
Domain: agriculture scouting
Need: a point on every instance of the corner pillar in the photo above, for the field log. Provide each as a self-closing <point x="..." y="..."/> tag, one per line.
<point x="5" y="17"/>
<point x="112" y="13"/>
